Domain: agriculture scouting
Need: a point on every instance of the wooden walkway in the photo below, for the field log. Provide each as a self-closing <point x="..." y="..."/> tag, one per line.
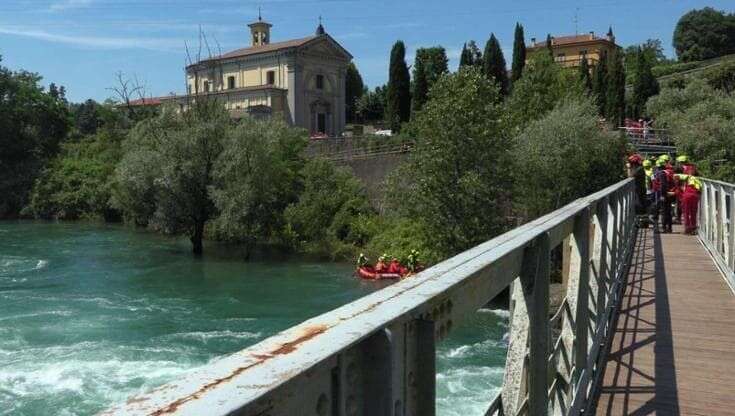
<point x="673" y="352"/>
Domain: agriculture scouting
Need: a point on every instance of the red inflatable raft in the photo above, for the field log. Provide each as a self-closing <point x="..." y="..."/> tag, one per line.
<point x="369" y="273"/>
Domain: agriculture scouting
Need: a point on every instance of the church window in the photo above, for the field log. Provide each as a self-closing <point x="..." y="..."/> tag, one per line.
<point x="270" y="77"/>
<point x="320" y="82"/>
<point x="230" y="82"/>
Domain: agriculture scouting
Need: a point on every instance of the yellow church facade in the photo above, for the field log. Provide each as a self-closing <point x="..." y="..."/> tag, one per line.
<point x="302" y="80"/>
<point x="569" y="51"/>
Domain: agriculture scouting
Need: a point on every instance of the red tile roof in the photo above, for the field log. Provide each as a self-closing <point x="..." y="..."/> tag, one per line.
<point x="146" y="101"/>
<point x="570" y="39"/>
<point x="271" y="47"/>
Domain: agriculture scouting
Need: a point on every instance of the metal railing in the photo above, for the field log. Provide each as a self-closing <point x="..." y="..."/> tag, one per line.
<point x="376" y="355"/>
<point x="717" y="225"/>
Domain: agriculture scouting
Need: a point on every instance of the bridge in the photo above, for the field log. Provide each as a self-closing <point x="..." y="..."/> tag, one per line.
<point x="645" y="327"/>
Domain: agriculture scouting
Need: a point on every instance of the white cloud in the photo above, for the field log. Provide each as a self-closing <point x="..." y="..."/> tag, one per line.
<point x="100" y="42"/>
<point x="69" y="4"/>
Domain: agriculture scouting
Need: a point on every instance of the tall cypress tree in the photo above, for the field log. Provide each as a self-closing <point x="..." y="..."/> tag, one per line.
<point x="420" y="85"/>
<point x="584" y="74"/>
<point x="519" y="54"/>
<point x="474" y="54"/>
<point x="494" y="64"/>
<point x="599" y="83"/>
<point x="398" y="100"/>
<point x="465" y="58"/>
<point x="549" y="47"/>
<point x="354" y="88"/>
<point x="645" y="85"/>
<point x="615" y="100"/>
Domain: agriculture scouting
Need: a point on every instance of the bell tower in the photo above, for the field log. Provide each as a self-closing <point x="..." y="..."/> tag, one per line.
<point x="260" y="31"/>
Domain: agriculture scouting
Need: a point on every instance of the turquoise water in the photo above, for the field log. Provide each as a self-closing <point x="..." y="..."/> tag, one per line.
<point x="91" y="314"/>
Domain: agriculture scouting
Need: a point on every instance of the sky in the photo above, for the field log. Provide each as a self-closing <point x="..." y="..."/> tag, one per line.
<point x="83" y="44"/>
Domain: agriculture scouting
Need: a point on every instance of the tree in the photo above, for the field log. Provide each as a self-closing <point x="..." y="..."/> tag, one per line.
<point x="494" y="64"/>
<point x="371" y="106"/>
<point x="703" y="34"/>
<point x="519" y="53"/>
<point x="549" y="45"/>
<point x="615" y="99"/>
<point x="398" y="102"/>
<point x="475" y="53"/>
<point x="327" y="209"/>
<point x="645" y="85"/>
<point x="542" y="85"/>
<point x="465" y="57"/>
<point x="552" y="145"/>
<point x="32" y="124"/>
<point x="164" y="177"/>
<point x="584" y="74"/>
<point x="353" y="91"/>
<point x="255" y="178"/>
<point x="430" y="64"/>
<point x="459" y="168"/>
<point x="420" y="85"/>
<point x="599" y="83"/>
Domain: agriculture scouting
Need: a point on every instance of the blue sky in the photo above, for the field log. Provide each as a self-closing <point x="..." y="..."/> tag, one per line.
<point x="82" y="44"/>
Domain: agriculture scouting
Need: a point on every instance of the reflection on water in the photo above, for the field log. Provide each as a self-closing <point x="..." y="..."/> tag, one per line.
<point x="90" y="314"/>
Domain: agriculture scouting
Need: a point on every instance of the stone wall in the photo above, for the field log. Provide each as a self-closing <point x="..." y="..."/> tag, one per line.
<point x="372" y="172"/>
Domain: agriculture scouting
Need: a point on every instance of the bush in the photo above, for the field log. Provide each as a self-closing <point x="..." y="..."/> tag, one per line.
<point x="78" y="182"/>
<point x="329" y="217"/>
<point x="551" y="171"/>
<point x="458" y="169"/>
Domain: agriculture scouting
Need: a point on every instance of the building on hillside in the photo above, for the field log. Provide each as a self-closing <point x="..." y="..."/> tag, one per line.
<point x="570" y="50"/>
<point x="302" y="80"/>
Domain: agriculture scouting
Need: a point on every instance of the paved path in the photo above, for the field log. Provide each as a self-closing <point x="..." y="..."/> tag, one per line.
<point x="674" y="348"/>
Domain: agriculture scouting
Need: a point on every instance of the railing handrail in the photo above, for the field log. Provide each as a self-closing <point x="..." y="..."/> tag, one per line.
<point x="243" y="381"/>
<point x="717" y="225"/>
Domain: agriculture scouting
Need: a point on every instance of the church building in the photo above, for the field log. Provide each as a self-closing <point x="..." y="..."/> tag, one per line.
<point x="302" y="80"/>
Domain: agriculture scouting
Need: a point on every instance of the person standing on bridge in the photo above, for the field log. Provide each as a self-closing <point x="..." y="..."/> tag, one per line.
<point x="636" y="172"/>
<point x="690" y="201"/>
<point x="665" y="180"/>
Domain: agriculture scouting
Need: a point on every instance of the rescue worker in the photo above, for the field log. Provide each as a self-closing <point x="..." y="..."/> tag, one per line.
<point x="664" y="179"/>
<point x="687" y="167"/>
<point x="636" y="171"/>
<point x="651" y="207"/>
<point x="690" y="201"/>
<point x="381" y="266"/>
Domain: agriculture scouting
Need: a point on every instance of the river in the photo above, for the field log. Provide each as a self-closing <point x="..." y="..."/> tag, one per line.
<point x="91" y="314"/>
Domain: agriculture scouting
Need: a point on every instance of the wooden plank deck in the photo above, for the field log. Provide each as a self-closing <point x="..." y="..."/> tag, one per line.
<point x="673" y="352"/>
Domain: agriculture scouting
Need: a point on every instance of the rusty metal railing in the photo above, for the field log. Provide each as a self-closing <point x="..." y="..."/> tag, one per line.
<point x="376" y="355"/>
<point x="717" y="225"/>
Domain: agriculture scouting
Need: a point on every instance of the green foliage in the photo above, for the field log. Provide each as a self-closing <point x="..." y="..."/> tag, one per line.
<point x="465" y="57"/>
<point x="163" y="180"/>
<point x="398" y="236"/>
<point x="722" y="77"/>
<point x="398" y="96"/>
<point x="542" y="86"/>
<point x="615" y="99"/>
<point x="551" y="170"/>
<point x="653" y="53"/>
<point x="354" y="89"/>
<point x="585" y="78"/>
<point x="32" y="124"/>
<point x="703" y="34"/>
<point x="78" y="182"/>
<point x="371" y="106"/>
<point x="519" y="53"/>
<point x="494" y="64"/>
<point x="458" y="169"/>
<point x="599" y="83"/>
<point x="255" y="177"/>
<point x="645" y="85"/>
<point x="430" y="64"/>
<point x="330" y="214"/>
<point x="702" y="119"/>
